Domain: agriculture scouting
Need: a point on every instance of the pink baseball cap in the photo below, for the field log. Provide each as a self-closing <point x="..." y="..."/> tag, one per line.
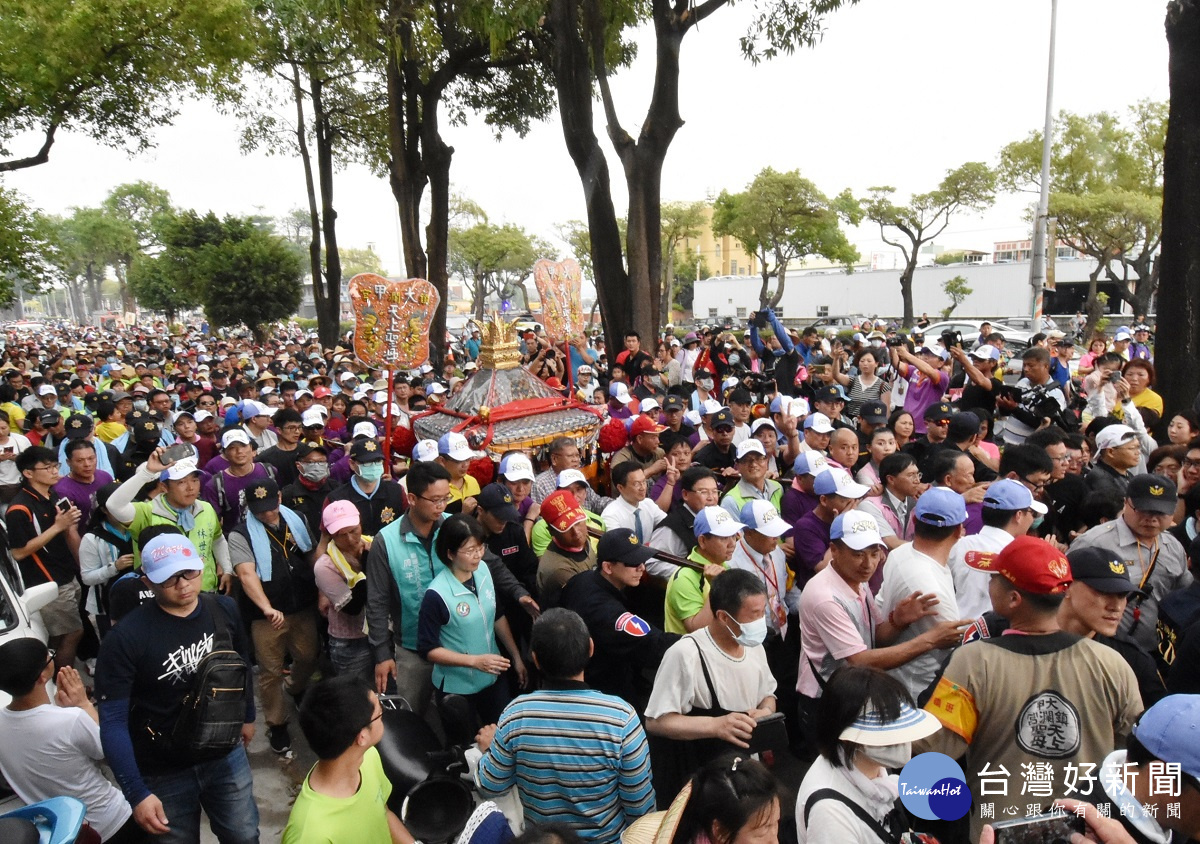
<point x="338" y="516"/>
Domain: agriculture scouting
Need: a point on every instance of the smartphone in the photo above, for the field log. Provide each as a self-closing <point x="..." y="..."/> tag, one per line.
<point x="63" y="505"/>
<point x="1053" y="828"/>
<point x="819" y="369"/>
<point x="1115" y="377"/>
<point x="174" y="453"/>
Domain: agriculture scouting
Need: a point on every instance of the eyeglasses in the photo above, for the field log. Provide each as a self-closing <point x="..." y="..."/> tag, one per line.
<point x="173" y="581"/>
<point x="1188" y="463"/>
<point x="292" y="429"/>
<point x="439" y="502"/>
<point x="1033" y="486"/>
<point x="45" y="467"/>
<point x="367" y="725"/>
<point x="50" y="657"/>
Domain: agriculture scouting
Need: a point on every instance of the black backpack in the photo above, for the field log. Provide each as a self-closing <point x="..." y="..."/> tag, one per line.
<point x="214" y="710"/>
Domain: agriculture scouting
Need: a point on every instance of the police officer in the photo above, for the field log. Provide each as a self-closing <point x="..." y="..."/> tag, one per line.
<point x="621" y="640"/>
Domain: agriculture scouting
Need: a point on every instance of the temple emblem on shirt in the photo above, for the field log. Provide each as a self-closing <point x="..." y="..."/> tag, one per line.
<point x="1049" y="726"/>
<point x="387" y="515"/>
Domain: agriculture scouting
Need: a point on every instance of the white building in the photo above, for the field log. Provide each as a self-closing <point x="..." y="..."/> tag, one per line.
<point x="997" y="290"/>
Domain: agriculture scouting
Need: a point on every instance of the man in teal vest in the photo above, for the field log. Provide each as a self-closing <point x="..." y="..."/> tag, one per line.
<point x="180" y="506"/>
<point x="400" y="568"/>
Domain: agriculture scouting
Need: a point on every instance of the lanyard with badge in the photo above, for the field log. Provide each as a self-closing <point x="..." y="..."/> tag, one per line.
<point x="767" y="567"/>
<point x="1146" y="572"/>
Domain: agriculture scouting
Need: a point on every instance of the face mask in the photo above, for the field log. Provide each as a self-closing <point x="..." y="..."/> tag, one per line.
<point x="371" y="472"/>
<point x="753" y="633"/>
<point x="1037" y="523"/>
<point x="890" y="755"/>
<point x="316" y="472"/>
<point x="140" y="404"/>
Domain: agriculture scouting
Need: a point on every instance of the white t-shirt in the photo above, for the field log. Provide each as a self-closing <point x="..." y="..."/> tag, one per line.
<point x="971" y="585"/>
<point x="908" y="571"/>
<point x="741" y="682"/>
<point x="49" y="751"/>
<point x="8" y="468"/>
<point x="833" y="822"/>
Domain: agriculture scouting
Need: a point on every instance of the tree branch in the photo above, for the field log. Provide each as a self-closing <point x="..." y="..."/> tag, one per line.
<point x="42" y="155"/>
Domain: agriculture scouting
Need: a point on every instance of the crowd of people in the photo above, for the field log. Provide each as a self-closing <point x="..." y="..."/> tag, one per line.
<point x="843" y="549"/>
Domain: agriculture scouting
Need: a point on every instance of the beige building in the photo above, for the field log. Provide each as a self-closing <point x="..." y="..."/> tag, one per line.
<point x="724" y="255"/>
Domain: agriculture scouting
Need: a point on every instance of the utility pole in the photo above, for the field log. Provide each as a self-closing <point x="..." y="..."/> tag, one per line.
<point x="1037" y="258"/>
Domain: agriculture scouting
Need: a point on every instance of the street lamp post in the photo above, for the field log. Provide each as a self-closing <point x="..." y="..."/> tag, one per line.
<point x="1037" y="258"/>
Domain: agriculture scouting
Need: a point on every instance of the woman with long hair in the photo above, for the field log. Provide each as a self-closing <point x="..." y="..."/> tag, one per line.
<point x="902" y="425"/>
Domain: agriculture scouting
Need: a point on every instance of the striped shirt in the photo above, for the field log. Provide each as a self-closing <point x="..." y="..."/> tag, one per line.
<point x="577" y="757"/>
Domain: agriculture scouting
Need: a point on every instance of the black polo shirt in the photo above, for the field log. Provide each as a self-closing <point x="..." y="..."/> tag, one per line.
<point x="29" y="515"/>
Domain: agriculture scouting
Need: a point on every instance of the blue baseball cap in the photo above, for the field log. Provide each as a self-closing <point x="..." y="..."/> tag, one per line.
<point x="717" y="521"/>
<point x="858" y="530"/>
<point x="834" y="481"/>
<point x="1009" y="494"/>
<point x="1170" y="731"/>
<point x="940" y="506"/>
<point x="809" y="463"/>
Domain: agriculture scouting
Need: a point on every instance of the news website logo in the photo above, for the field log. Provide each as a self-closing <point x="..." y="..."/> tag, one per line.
<point x="933" y="787"/>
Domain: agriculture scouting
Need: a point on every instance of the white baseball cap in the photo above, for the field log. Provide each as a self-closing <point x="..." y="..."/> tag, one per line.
<point x="1114" y="436"/>
<point x="233" y="436"/>
<point x="762" y="517"/>
<point x="516" y="467"/>
<point x="312" y="417"/>
<point x="425" y="451"/>
<point x="454" y="446"/>
<point x="649" y="404"/>
<point x="570" y="477"/>
<point x="858" y="530"/>
<point x="716" y="521"/>
<point x="364" y="429"/>
<point x="818" y="422"/>
<point x="749" y="446"/>
<point x="201" y="415"/>
<point x="834" y="481"/>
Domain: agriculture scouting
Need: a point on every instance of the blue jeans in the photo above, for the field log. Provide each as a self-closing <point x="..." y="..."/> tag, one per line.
<point x="353" y="656"/>
<point x="222" y="787"/>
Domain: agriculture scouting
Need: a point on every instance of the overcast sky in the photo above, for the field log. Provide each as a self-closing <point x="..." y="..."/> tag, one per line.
<point x="898" y="92"/>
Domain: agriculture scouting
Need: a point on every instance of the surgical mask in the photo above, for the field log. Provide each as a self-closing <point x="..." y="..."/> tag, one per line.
<point x="1037" y="523"/>
<point x="753" y="632"/>
<point x="370" y="472"/>
<point x="890" y="755"/>
<point x="140" y="404"/>
<point x="316" y="472"/>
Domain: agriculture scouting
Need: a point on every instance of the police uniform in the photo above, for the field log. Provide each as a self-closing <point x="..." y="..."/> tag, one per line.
<point x="624" y="643"/>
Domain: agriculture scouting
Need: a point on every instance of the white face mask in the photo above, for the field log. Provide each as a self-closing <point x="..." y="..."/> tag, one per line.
<point x="890" y="755"/>
<point x="753" y="632"/>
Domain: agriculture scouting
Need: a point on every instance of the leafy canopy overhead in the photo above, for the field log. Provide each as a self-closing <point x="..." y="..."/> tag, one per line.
<point x="112" y="69"/>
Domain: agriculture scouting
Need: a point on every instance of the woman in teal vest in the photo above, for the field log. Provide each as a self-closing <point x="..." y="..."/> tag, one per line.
<point x="459" y="625"/>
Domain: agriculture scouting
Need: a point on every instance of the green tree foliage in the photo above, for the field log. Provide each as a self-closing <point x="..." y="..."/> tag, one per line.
<point x="321" y="100"/>
<point x="589" y="41"/>
<point x="112" y="69"/>
<point x="145" y="209"/>
<point x="239" y="272"/>
<point x="1106" y="191"/>
<point x="27" y="245"/>
<point x="782" y="217"/>
<point x="494" y="258"/>
<point x="680" y="221"/>
<point x="971" y="187"/>
<point x="355" y="261"/>
<point x="958" y="290"/>
<point x="89" y="241"/>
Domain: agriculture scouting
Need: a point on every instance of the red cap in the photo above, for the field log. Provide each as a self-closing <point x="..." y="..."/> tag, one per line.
<point x="321" y="392"/>
<point x="561" y="510"/>
<point x="1030" y="564"/>
<point x="645" y="425"/>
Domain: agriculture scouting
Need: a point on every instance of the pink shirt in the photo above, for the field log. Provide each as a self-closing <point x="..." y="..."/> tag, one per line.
<point x="836" y="622"/>
<point x="335" y="589"/>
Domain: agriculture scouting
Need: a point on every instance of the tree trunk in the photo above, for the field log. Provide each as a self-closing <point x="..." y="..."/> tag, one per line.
<point x="1094" y="307"/>
<point x="327" y="291"/>
<point x="126" y="297"/>
<point x="573" y="83"/>
<point x="668" y="286"/>
<point x="781" y="278"/>
<point x="437" y="156"/>
<point x="314" y="215"/>
<point x="906" y="280"/>
<point x="1178" y="342"/>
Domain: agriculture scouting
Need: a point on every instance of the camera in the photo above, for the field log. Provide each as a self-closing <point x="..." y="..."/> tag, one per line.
<point x="894" y="342"/>
<point x="951" y="339"/>
<point x="761" y="320"/>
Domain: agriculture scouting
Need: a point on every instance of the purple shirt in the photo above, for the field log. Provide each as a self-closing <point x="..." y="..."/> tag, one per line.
<point x="812" y="541"/>
<point x="922" y="393"/>
<point x="660" y="485"/>
<point x="229" y="507"/>
<point x="80" y="494"/>
<point x="795" y="504"/>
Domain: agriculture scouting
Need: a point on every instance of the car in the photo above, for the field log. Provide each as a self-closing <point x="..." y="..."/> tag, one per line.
<point x="969" y="328"/>
<point x="19" y="616"/>
<point x="839" y="323"/>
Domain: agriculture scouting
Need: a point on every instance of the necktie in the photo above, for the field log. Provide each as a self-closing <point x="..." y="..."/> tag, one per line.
<point x="637" y="527"/>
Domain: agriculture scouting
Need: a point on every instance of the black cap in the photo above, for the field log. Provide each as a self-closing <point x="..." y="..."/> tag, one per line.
<point x="672" y="403"/>
<point x="1154" y="493"/>
<point x="49" y="418"/>
<point x="721" y="417"/>
<point x="963" y="426"/>
<point x="830" y="392"/>
<point x="873" y="412"/>
<point x="366" y="451"/>
<point x="1100" y="569"/>
<point x="497" y="500"/>
<point x="262" y="496"/>
<point x="305" y="448"/>
<point x="622" y="546"/>
<point x="79" y="425"/>
<point x="144" y="425"/>
<point x="940" y="412"/>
